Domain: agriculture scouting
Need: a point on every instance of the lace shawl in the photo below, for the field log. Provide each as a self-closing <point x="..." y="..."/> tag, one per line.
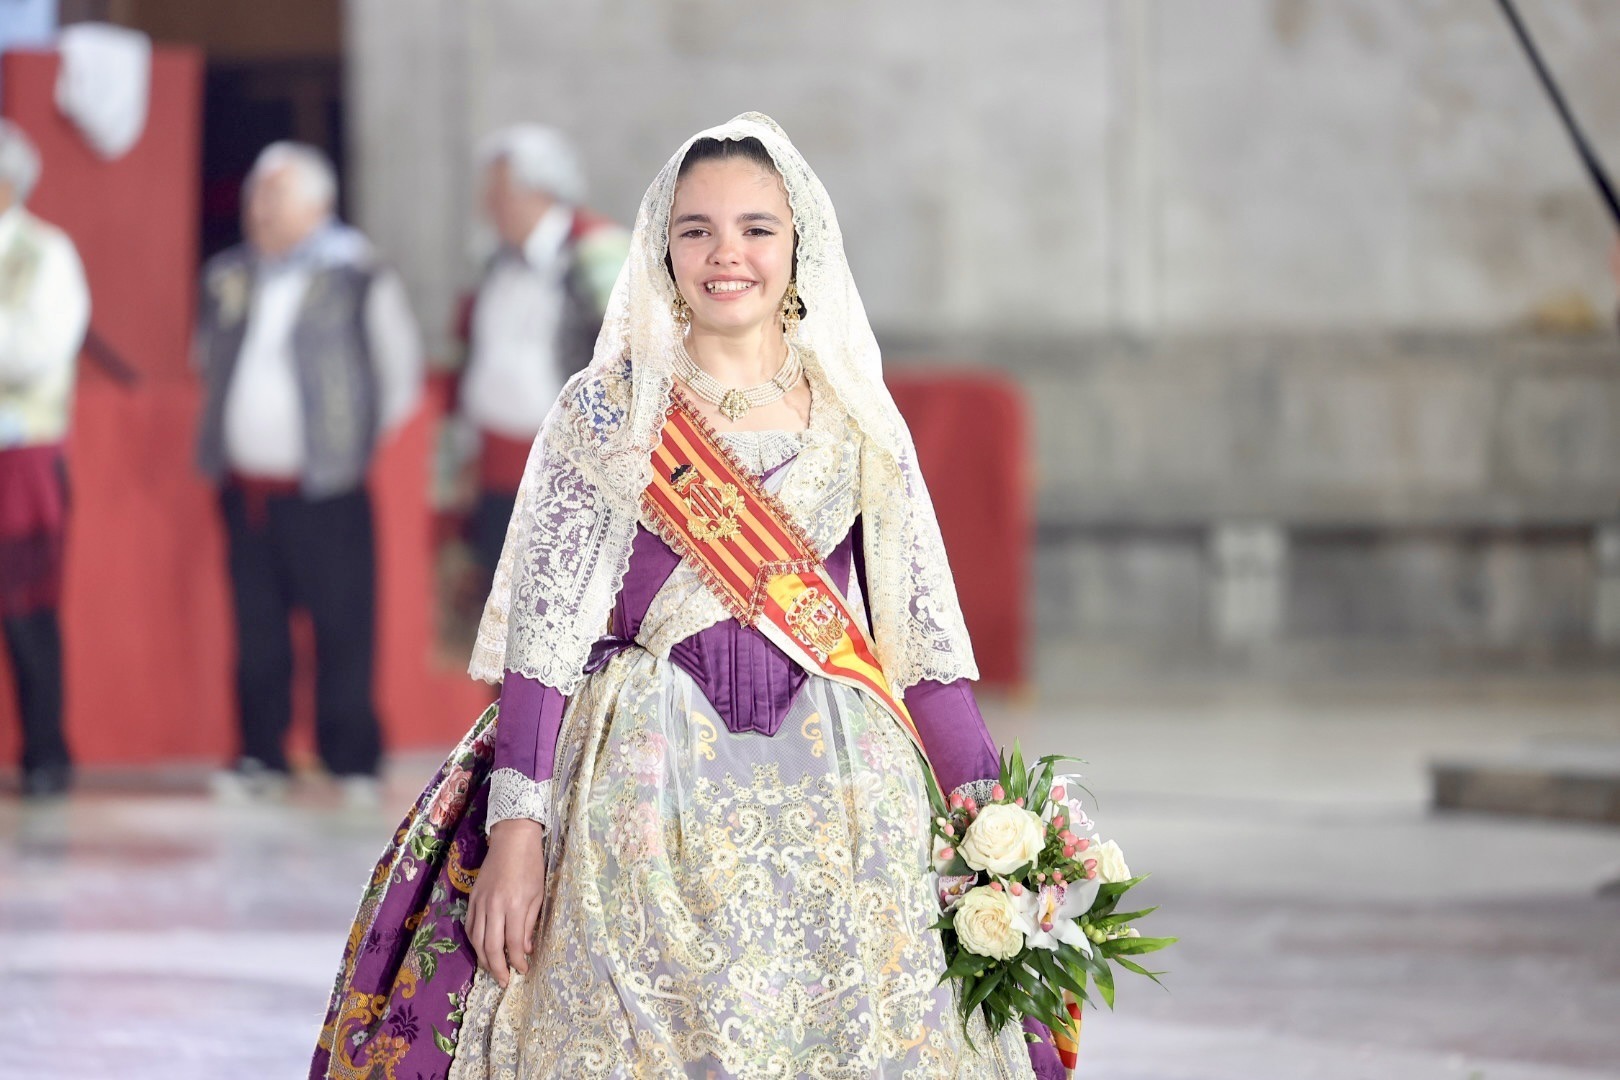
<point x="568" y="543"/>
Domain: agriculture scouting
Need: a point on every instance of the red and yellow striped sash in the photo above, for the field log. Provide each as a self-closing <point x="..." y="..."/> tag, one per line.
<point x="742" y="542"/>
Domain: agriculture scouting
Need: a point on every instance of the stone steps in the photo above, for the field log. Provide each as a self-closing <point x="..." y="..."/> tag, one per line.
<point x="1570" y="781"/>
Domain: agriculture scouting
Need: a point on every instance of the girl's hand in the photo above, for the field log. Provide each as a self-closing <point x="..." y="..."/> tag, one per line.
<point x="504" y="909"/>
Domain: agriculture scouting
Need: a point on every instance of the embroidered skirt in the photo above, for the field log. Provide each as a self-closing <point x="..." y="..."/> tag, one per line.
<point x="718" y="905"/>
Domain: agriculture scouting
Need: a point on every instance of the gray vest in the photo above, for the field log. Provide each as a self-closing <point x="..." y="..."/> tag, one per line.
<point x="580" y="324"/>
<point x="337" y="383"/>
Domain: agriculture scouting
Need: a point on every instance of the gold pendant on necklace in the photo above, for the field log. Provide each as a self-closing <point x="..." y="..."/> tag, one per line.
<point x="734" y="405"/>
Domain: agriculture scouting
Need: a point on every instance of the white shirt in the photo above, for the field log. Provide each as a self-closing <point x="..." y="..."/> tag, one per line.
<point x="512" y="374"/>
<point x="264" y="410"/>
<point x="43" y="316"/>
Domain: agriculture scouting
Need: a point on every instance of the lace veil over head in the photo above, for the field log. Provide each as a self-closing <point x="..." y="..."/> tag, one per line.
<point x="568" y="543"/>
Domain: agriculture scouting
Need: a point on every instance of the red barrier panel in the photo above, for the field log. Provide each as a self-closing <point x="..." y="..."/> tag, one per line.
<point x="972" y="444"/>
<point x="146" y="616"/>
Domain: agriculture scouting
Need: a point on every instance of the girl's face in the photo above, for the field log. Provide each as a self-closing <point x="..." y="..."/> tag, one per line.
<point x="731" y="245"/>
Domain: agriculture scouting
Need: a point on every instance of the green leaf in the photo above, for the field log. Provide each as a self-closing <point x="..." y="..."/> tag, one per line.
<point x="983" y="990"/>
<point x="446" y="1046"/>
<point x="1135" y="946"/>
<point x="965" y="962"/>
<point x="936" y="797"/>
<point x="1125" y="917"/>
<point x="1105" y="984"/>
<point x="1017" y="780"/>
<point x="1060" y="976"/>
<point x="1042" y="786"/>
<point x="1132" y="965"/>
<point x="965" y="987"/>
<point x="1032" y="982"/>
<point x="444" y="945"/>
<point x="1108" y="896"/>
<point x="1091" y="962"/>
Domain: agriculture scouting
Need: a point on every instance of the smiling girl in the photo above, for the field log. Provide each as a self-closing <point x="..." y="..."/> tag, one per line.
<point x="708" y="847"/>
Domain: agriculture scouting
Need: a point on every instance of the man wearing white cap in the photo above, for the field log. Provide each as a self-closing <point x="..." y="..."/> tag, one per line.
<point x="538" y="310"/>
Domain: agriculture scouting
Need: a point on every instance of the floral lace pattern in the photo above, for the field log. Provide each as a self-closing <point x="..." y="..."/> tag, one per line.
<point x="514" y="795"/>
<point x="977" y="790"/>
<point x="726" y="905"/>
<point x="762" y="451"/>
<point x="568" y="544"/>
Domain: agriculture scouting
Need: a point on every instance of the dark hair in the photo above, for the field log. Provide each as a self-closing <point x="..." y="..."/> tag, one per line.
<point x="706" y="149"/>
<point x="747" y="149"/>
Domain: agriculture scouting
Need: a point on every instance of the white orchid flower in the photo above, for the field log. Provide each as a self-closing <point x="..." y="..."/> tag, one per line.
<point x="952" y="887"/>
<point x="1049" y="916"/>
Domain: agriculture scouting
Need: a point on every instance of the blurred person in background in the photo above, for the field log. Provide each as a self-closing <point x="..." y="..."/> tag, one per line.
<point x="44" y="310"/>
<point x="536" y="315"/>
<point x="310" y="356"/>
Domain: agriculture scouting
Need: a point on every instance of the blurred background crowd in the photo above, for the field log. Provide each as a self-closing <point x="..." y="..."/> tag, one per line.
<point x="1264" y="350"/>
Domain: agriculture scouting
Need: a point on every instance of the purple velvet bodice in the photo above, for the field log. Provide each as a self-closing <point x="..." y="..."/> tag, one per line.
<point x="749" y="680"/>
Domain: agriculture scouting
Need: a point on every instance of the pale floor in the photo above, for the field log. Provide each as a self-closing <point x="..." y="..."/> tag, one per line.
<point x="1333" y="928"/>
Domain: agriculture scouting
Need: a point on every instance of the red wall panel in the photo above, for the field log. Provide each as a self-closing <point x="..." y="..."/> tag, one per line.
<point x="146" y="612"/>
<point x="972" y="442"/>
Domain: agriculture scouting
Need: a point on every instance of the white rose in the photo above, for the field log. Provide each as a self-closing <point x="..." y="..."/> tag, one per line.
<point x="986" y="923"/>
<point x="1002" y="838"/>
<point x="1110" y="861"/>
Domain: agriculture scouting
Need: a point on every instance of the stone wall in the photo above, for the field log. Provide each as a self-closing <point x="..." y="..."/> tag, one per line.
<point x="1455" y="489"/>
<point x="1267" y="268"/>
<point x="1054" y="166"/>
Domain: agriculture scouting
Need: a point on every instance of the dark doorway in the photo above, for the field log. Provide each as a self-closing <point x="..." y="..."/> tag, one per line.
<point x="274" y="71"/>
<point x="248" y="104"/>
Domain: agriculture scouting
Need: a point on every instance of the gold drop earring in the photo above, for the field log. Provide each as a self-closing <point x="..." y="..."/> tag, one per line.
<point x="790" y="310"/>
<point x="682" y="311"/>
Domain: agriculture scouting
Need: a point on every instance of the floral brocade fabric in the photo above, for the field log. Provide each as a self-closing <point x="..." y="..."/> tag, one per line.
<point x="731" y="905"/>
<point x="718" y="905"/>
<point x="407" y="968"/>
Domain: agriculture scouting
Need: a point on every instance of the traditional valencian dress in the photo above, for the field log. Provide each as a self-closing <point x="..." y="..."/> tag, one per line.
<point x="738" y="855"/>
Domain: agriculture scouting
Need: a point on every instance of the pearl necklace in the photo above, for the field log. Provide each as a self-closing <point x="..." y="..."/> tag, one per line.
<point x="735" y="403"/>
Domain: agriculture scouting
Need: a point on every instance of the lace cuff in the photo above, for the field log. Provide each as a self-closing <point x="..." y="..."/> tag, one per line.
<point x="513" y="795"/>
<point x="977" y="790"/>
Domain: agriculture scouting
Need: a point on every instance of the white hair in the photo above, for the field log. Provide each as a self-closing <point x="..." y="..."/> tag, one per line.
<point x="317" y="180"/>
<point x="19" y="161"/>
<point x="538" y="158"/>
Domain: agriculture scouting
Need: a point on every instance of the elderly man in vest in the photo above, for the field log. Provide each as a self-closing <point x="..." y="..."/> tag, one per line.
<point x="44" y="308"/>
<point x="535" y="319"/>
<point x="311" y="357"/>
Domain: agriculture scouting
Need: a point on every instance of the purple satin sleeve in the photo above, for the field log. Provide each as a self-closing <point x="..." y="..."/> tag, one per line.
<point x="526" y="733"/>
<point x="953" y="732"/>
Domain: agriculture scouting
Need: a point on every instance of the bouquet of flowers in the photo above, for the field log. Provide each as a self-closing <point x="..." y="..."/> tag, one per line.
<point x="1031" y="901"/>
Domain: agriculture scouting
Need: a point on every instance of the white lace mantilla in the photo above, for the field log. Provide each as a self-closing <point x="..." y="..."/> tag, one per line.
<point x="568" y="544"/>
<point x="513" y="795"/>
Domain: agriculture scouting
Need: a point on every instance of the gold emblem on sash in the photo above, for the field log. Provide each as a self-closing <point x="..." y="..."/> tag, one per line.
<point x="711" y="509"/>
<point x="815" y="622"/>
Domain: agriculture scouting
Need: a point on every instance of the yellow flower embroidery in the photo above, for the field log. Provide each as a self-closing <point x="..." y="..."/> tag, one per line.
<point x="811" y="729"/>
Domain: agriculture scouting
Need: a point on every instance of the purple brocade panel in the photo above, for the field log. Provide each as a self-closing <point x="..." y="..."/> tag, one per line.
<point x="1043" y="1056"/>
<point x="396" y="1008"/>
